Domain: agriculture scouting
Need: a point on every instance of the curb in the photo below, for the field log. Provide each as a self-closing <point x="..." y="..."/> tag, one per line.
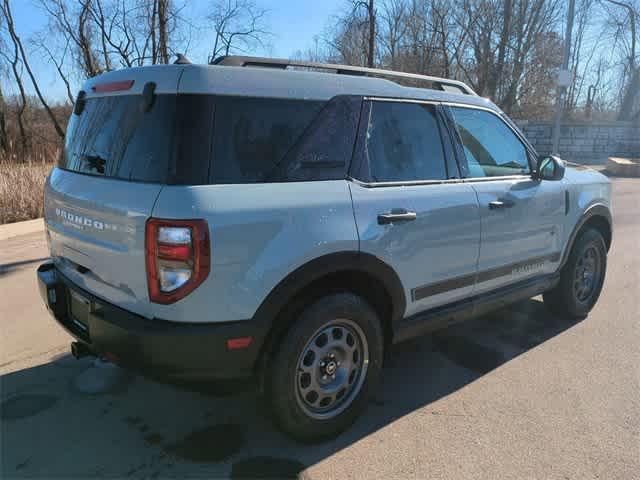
<point x="16" y="229"/>
<point x="623" y="167"/>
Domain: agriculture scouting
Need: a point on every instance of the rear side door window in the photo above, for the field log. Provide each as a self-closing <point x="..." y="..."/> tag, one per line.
<point x="491" y="148"/>
<point x="403" y="143"/>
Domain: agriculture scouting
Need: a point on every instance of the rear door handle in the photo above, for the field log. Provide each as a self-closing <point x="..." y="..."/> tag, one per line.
<point x="396" y="215"/>
<point x="496" y="204"/>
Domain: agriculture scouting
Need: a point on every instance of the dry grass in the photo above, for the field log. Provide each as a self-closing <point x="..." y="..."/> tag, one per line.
<point x="21" y="190"/>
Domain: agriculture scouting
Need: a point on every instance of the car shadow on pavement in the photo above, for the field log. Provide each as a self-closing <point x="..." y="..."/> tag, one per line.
<point x="8" y="267"/>
<point x="55" y="425"/>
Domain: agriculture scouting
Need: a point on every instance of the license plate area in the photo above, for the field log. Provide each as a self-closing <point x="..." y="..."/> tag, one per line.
<point x="79" y="310"/>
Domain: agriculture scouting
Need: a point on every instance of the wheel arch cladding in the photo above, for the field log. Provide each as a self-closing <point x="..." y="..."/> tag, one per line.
<point x="360" y="273"/>
<point x="598" y="217"/>
<point x="602" y="224"/>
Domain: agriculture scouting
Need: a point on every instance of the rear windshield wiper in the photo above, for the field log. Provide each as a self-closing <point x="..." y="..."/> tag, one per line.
<point x="96" y="162"/>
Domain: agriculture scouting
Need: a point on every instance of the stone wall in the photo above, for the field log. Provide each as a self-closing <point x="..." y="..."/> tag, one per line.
<point x="590" y="143"/>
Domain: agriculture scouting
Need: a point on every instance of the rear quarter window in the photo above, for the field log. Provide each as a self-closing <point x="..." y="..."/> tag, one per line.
<point x="253" y="135"/>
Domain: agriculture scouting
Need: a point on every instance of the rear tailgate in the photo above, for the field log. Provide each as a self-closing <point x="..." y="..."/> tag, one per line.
<point x="116" y="157"/>
<point x="96" y="233"/>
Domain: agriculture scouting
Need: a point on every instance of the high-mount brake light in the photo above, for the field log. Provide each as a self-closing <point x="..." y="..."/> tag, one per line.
<point x="177" y="257"/>
<point x="112" y="86"/>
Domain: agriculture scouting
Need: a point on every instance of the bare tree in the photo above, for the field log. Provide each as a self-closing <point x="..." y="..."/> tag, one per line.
<point x="420" y="49"/>
<point x="491" y="44"/>
<point x="97" y="11"/>
<point x="4" y="139"/>
<point x="75" y="26"/>
<point x="58" y="61"/>
<point x="4" y="142"/>
<point x="435" y="41"/>
<point x="14" y="61"/>
<point x="578" y="66"/>
<point x="534" y="20"/>
<point x="152" y="30"/>
<point x="496" y="73"/>
<point x="122" y="40"/>
<point x="500" y="61"/>
<point x="371" y="27"/>
<point x="536" y="92"/>
<point x="449" y="39"/>
<point x="163" y="30"/>
<point x="626" y="35"/>
<point x="23" y="57"/>
<point x="393" y="16"/>
<point x="239" y="26"/>
<point x="85" y="40"/>
<point x="107" y="34"/>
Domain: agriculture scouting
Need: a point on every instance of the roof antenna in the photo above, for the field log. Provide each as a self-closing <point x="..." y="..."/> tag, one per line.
<point x="182" y="60"/>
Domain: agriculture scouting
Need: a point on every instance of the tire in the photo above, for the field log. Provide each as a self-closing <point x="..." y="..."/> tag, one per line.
<point x="581" y="278"/>
<point x="349" y="325"/>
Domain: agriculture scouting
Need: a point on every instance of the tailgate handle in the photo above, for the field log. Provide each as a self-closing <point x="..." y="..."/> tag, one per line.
<point x="82" y="269"/>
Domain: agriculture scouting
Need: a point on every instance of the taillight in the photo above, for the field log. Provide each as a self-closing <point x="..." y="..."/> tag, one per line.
<point x="178" y="258"/>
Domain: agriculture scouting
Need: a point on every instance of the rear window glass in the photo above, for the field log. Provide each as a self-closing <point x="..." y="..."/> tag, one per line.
<point x="205" y="139"/>
<point x="253" y="135"/>
<point x="115" y="137"/>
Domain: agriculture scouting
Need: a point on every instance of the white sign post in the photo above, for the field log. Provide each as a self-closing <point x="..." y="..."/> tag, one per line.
<point x="564" y="78"/>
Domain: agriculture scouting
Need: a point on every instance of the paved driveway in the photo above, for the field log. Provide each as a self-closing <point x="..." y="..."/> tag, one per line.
<point x="515" y="394"/>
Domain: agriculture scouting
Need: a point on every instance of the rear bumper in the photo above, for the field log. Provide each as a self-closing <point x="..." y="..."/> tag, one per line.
<point x="157" y="348"/>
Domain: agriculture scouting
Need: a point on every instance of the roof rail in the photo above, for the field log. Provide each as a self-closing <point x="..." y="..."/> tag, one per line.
<point x="437" y="83"/>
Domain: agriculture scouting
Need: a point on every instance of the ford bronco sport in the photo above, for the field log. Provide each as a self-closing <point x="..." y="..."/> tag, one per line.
<point x="289" y="221"/>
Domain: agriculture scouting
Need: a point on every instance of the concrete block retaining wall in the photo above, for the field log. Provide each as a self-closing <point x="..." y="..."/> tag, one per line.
<point x="589" y="143"/>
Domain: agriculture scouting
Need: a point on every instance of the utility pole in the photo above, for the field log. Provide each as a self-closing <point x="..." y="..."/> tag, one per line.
<point x="564" y="78"/>
<point x="372" y="33"/>
<point x="371" y="23"/>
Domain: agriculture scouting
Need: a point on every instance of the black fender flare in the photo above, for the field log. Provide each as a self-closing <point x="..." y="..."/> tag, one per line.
<point x="332" y="263"/>
<point x="596" y="210"/>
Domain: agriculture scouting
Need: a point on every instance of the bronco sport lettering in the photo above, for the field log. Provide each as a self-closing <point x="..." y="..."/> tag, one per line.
<point x="84" y="221"/>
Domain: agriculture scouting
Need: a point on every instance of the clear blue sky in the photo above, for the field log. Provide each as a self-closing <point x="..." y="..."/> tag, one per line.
<point x="294" y="23"/>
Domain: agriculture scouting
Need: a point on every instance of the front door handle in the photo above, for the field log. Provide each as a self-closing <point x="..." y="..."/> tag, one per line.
<point x="497" y="204"/>
<point x="396" y="215"/>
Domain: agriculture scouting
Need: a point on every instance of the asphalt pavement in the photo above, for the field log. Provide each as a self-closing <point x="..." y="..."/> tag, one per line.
<point x="515" y="394"/>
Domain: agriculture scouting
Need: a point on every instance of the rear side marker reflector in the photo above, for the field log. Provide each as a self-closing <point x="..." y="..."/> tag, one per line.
<point x="111" y="358"/>
<point x="112" y="86"/>
<point x="239" y="343"/>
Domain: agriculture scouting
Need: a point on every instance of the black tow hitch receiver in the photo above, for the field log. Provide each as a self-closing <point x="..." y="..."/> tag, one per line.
<point x="80" y="350"/>
<point x="51" y="290"/>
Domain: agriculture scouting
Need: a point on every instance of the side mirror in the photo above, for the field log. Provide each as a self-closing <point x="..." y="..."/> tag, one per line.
<point x="550" y="167"/>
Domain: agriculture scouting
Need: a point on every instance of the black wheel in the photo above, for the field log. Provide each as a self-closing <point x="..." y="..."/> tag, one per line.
<point x="582" y="277"/>
<point x="327" y="364"/>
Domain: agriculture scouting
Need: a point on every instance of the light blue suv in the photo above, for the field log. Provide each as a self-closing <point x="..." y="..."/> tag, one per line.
<point x="289" y="221"/>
